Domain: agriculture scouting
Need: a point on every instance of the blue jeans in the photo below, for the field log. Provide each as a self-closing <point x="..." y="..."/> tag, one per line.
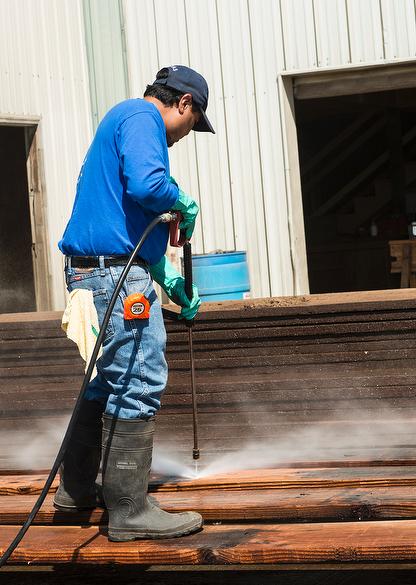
<point x="132" y="372"/>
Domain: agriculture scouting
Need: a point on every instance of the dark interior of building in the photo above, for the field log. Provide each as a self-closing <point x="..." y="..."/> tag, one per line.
<point x="358" y="171"/>
<point x="17" y="291"/>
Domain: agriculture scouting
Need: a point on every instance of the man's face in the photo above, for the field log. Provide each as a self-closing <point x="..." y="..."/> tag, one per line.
<point x="180" y="119"/>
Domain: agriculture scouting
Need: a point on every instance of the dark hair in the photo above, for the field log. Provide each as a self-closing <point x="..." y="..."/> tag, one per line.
<point x="165" y="94"/>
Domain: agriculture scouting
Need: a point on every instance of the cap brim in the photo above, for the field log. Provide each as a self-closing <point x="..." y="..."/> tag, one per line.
<point x="203" y="124"/>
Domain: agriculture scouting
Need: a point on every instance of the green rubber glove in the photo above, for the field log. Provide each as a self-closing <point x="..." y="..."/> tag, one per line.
<point x="189" y="210"/>
<point x="173" y="284"/>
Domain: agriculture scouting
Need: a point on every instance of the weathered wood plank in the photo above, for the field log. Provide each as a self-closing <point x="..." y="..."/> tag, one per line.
<point x="303" y="360"/>
<point x="20" y="349"/>
<point x="394" y="297"/>
<point x="51" y="364"/>
<point x="290" y="478"/>
<point x="223" y="544"/>
<point x="321" y="403"/>
<point x="285" y="505"/>
<point x="24" y="484"/>
<point x="257" y="479"/>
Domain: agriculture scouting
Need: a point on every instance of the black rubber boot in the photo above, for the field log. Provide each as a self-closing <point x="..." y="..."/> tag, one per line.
<point x="77" y="489"/>
<point x="127" y="458"/>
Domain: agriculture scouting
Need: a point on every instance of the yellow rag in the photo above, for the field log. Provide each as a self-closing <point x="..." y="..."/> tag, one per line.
<point x="80" y="323"/>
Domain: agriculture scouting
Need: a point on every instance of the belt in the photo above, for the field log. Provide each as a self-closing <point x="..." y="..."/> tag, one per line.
<point x="94" y="261"/>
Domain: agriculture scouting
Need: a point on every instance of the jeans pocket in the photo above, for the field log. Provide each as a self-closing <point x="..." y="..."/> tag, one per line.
<point x="73" y="276"/>
<point x="137" y="281"/>
<point x="101" y="301"/>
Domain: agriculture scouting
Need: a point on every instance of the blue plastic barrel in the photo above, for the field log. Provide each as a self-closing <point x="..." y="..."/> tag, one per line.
<point x="222" y="276"/>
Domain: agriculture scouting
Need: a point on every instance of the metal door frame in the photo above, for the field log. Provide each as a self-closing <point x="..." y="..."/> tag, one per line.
<point x="37" y="206"/>
<point x="329" y="81"/>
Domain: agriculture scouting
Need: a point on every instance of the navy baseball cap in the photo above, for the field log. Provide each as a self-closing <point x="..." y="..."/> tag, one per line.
<point x="186" y="80"/>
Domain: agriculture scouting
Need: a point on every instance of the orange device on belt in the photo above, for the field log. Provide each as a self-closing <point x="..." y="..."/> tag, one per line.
<point x="136" y="306"/>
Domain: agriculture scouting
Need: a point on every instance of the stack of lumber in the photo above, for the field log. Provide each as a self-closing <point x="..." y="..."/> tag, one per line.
<point x="264" y="517"/>
<point x="317" y="391"/>
<point x="302" y="370"/>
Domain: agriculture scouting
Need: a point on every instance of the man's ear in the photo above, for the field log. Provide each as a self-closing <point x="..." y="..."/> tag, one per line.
<point x="185" y="102"/>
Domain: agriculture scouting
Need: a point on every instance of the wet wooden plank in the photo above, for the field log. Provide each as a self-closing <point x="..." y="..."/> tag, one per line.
<point x="24" y="484"/>
<point x="284" y="505"/>
<point x="257" y="479"/>
<point x="349" y="542"/>
<point x="290" y="478"/>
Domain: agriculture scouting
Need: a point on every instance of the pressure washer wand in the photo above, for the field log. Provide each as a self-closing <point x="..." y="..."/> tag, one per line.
<point x="187" y="268"/>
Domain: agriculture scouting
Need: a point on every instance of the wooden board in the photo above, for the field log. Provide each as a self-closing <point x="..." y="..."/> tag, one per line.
<point x="392" y="297"/>
<point x="285" y="505"/>
<point x="283" y="478"/>
<point x="24" y="484"/>
<point x="296" y="478"/>
<point x="277" y="366"/>
<point x="349" y="542"/>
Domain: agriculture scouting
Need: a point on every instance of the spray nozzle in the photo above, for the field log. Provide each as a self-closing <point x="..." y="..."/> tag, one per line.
<point x="168" y="217"/>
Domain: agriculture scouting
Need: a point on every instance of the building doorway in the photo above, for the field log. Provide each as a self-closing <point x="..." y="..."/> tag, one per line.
<point x="357" y="156"/>
<point x="23" y="263"/>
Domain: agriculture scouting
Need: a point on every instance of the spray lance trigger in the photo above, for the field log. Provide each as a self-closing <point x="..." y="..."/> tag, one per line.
<point x="177" y="236"/>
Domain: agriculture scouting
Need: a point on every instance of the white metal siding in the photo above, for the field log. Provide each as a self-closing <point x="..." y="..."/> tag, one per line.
<point x="43" y="74"/>
<point x="399" y="28"/>
<point x="331" y="32"/>
<point x="104" y="43"/>
<point x="242" y="133"/>
<point x="298" y="31"/>
<point x="365" y="31"/>
<point x="268" y="56"/>
<point x="216" y="212"/>
<point x="240" y="175"/>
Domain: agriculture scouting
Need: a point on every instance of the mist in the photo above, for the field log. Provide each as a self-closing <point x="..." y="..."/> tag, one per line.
<point x="366" y="434"/>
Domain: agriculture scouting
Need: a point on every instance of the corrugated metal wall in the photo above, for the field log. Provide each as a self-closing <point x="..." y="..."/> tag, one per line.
<point x="323" y="33"/>
<point x="43" y="74"/>
<point x="240" y="175"/>
<point x="105" y="50"/>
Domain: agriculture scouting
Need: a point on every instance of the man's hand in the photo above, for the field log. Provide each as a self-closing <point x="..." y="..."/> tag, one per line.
<point x="189" y="313"/>
<point x="189" y="210"/>
<point x="174" y="285"/>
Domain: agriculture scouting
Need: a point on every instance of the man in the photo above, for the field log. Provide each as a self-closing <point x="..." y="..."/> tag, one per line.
<point x="124" y="183"/>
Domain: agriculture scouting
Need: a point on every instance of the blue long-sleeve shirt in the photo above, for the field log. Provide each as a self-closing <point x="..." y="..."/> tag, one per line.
<point x="123" y="185"/>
